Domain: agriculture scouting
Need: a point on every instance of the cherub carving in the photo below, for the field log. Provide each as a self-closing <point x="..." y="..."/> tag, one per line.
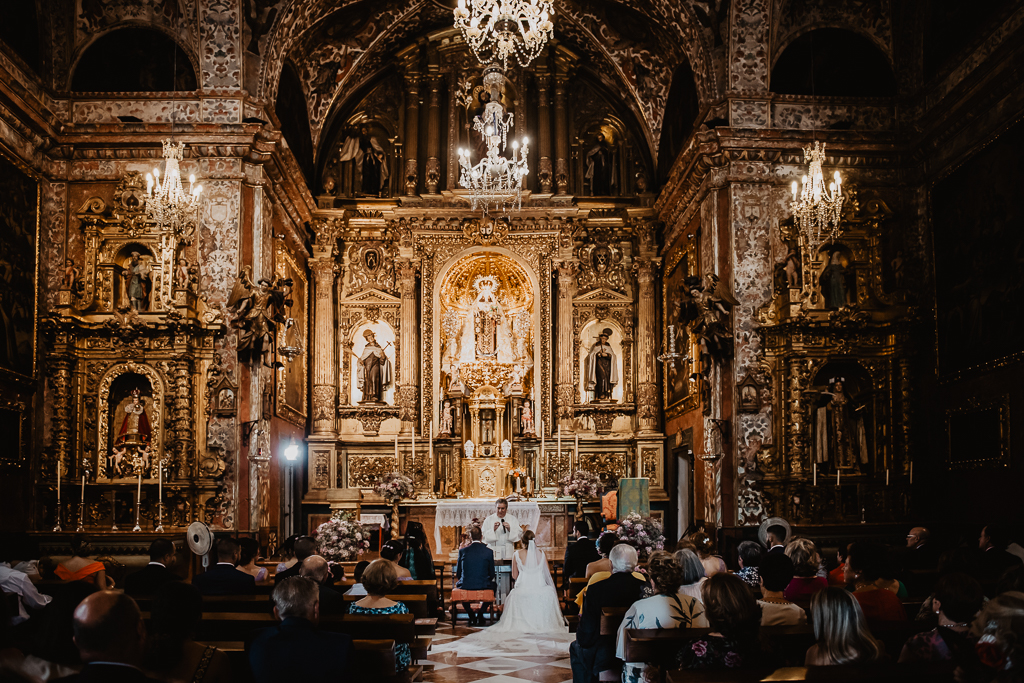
<point x="259" y="308"/>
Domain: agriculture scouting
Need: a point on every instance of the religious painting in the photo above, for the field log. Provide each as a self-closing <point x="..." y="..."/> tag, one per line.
<point x="677" y="380"/>
<point x="978" y="228"/>
<point x="131" y="434"/>
<point x="600" y="361"/>
<point x="291" y="380"/>
<point x="841" y="418"/>
<point x="18" y="222"/>
<point x="372" y="365"/>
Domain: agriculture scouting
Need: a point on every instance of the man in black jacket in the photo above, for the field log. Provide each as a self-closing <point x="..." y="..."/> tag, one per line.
<point x="592" y="653"/>
<point x="296" y="649"/>
<point x="578" y="554"/>
<point x="109" y="634"/>
<point x="474" y="571"/>
<point x="224" y="578"/>
<point x="317" y="570"/>
<point x="304" y="547"/>
<point x="147" y="580"/>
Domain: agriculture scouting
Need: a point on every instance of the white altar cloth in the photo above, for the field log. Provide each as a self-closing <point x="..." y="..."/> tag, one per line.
<point x="461" y="512"/>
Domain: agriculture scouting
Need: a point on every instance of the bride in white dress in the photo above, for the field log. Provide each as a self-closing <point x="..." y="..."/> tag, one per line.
<point x="532" y="606"/>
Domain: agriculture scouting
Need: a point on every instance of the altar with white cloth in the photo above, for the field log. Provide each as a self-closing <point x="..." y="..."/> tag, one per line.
<point x="459" y="513"/>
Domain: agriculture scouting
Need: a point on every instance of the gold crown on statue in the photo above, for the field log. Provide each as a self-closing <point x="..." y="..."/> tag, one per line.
<point x="173" y="151"/>
<point x="136" y="393"/>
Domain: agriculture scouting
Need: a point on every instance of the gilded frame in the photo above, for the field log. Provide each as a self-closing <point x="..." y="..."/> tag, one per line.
<point x="1000" y="404"/>
<point x="35" y="179"/>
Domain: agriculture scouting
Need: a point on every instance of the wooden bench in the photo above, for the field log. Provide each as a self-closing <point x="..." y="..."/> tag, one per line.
<point x="398" y="627"/>
<point x="786" y="645"/>
<point x="416" y="603"/>
<point x="611" y="619"/>
<point x="876" y="673"/>
<point x="426" y="587"/>
<point x="374" y="660"/>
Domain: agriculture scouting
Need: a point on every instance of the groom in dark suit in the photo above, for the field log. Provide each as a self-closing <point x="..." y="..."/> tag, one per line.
<point x="475" y="572"/>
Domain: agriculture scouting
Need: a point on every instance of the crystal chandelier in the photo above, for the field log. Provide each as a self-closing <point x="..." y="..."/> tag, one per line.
<point x="166" y="201"/>
<point x="495" y="180"/>
<point x="499" y="29"/>
<point x="817" y="211"/>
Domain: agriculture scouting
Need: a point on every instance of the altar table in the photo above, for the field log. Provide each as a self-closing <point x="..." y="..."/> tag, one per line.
<point x="459" y="513"/>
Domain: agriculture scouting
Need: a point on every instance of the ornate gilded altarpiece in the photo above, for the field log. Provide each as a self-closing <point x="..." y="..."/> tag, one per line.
<point x="833" y="318"/>
<point x="129" y="352"/>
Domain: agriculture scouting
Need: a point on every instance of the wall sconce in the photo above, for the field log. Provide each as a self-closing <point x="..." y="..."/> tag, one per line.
<point x="291" y="451"/>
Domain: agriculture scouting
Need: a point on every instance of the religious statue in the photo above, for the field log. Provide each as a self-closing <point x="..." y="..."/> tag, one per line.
<point x="468" y="448"/>
<point x="373" y="371"/>
<point x="601" y="168"/>
<point x="527" y="419"/>
<point x="135" y="427"/>
<point x="792" y="268"/>
<point x="602" y="371"/>
<point x="445" y="428"/>
<point x="833" y="282"/>
<point x="370" y="161"/>
<point x="259" y="308"/>
<point x="839" y="436"/>
<point x="70" y="275"/>
<point x="487" y="427"/>
<point x="705" y="309"/>
<point x="138" y="282"/>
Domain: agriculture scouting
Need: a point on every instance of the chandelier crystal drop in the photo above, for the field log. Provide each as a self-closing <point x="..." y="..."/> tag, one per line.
<point x="495" y="180"/>
<point x="166" y="200"/>
<point x="817" y="211"/>
<point x="499" y="29"/>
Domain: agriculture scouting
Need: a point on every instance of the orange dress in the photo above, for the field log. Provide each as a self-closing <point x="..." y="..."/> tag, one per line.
<point x="83" y="574"/>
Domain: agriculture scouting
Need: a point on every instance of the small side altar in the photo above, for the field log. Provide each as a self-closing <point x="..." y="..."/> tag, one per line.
<point x="460" y="512"/>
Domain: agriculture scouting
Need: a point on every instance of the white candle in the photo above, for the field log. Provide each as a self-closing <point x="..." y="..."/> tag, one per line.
<point x="576" y="453"/>
<point x="83" y="489"/>
<point x="815" y="474"/>
<point x="139" y="494"/>
<point x="911" y="471"/>
<point x="430" y="446"/>
<point x="413" y="431"/>
<point x="886" y="476"/>
<point x="639" y="469"/>
<point x="837" y="476"/>
<point x="58" y="485"/>
<point x="542" y="463"/>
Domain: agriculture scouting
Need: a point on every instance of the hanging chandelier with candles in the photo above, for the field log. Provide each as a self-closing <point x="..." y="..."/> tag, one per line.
<point x="167" y="203"/>
<point x="499" y="29"/>
<point x="495" y="180"/>
<point x="817" y="211"/>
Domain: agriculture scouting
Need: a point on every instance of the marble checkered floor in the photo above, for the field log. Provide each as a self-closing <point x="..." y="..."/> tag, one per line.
<point x="458" y="657"/>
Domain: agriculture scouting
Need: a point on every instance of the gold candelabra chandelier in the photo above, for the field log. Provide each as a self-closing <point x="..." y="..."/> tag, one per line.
<point x="817" y="211"/>
<point x="166" y="200"/>
<point x="499" y="29"/>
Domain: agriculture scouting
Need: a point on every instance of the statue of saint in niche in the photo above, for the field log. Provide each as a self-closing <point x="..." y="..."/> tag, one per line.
<point x="133" y="439"/>
<point x="446" y="420"/>
<point x="601" y="167"/>
<point x="135" y="427"/>
<point x="839" y="438"/>
<point x="138" y="281"/>
<point x="602" y="373"/>
<point x="833" y="282"/>
<point x="373" y="372"/>
<point x="487" y="427"/>
<point x="527" y="419"/>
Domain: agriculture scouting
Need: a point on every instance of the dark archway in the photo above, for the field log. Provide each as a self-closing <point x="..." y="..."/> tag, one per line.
<point x="291" y="110"/>
<point x="833" y="62"/>
<point x="134" y="60"/>
<point x="681" y="111"/>
<point x="20" y="30"/>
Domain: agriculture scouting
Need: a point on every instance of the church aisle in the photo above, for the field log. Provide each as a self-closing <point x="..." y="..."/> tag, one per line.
<point x="544" y="659"/>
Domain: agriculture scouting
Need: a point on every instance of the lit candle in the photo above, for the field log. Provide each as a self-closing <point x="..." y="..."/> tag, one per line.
<point x="815" y="474"/>
<point x="529" y="486"/>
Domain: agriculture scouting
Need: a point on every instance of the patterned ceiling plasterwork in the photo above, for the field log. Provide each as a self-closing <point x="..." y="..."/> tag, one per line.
<point x="870" y="18"/>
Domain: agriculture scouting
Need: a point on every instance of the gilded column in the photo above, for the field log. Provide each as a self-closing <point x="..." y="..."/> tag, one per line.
<point x="795" y="417"/>
<point x="60" y="369"/>
<point x="412" y="130"/>
<point x="409" y="370"/>
<point x="561" y="137"/>
<point x="325" y="367"/>
<point x="433" y="169"/>
<point x="544" y="132"/>
<point x="565" y="391"/>
<point x="646" y="343"/>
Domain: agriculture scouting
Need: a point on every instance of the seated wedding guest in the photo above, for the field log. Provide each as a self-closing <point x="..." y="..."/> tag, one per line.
<point x="840" y="631"/>
<point x="304" y="547"/>
<point x="994" y="559"/>
<point x="749" y="558"/>
<point x="15" y="582"/>
<point x="999" y="629"/>
<point x="693" y="573"/>
<point x="579" y="553"/>
<point x="668" y="608"/>
<point x="224" y="578"/>
<point x="591" y="653"/>
<point x="610" y="507"/>
<point x="296" y="649"/>
<point x="80" y="568"/>
<point x="960" y="560"/>
<point x="357" y="575"/>
<point x="380" y="578"/>
<point x="52" y="652"/>
<point x="806" y="559"/>
<point x="605" y="543"/>
<point x="474" y="571"/>
<point x="417" y="557"/>
<point x="172" y="655"/>
<point x="602" y="574"/>
<point x="734" y="619"/>
<point x="148" y="580"/>
<point x="776" y="535"/>
<point x="836" y="577"/>
<point x="887" y="579"/>
<point x="776" y="610"/>
<point x="863" y="570"/>
<point x="109" y="634"/>
<point x="287" y="554"/>
<point x="318" y="571"/>
<point x="706" y="552"/>
<point x="393" y="550"/>
<point x="957" y="599"/>
<point x="921" y="553"/>
<point x="249" y="552"/>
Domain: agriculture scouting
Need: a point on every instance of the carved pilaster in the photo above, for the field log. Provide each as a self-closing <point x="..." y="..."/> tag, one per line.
<point x="325" y="367"/>
<point x="647" y="389"/>
<point x="60" y="371"/>
<point x="544" y="132"/>
<point x="409" y="371"/>
<point x="433" y="168"/>
<point x="565" y="391"/>
<point x="795" y="423"/>
<point x="412" y="130"/>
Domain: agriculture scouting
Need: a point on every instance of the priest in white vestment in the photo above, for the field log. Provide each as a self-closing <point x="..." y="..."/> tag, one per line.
<point x="501" y="530"/>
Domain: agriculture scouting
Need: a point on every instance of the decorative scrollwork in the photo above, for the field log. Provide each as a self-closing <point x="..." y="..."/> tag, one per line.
<point x="366" y="471"/>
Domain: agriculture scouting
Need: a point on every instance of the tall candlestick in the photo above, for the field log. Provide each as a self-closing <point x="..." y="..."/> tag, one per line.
<point x="886" y="476"/>
<point x="837" y="476"/>
<point x="160" y="497"/>
<point x="543" y="463"/>
<point x="138" y="502"/>
<point x="815" y="468"/>
<point x="576" y="454"/>
<point x="911" y="471"/>
<point x="558" y="460"/>
<point x="56" y="526"/>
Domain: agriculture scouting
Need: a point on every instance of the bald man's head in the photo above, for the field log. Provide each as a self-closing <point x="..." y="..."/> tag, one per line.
<point x="108" y="628"/>
<point x="316" y="568"/>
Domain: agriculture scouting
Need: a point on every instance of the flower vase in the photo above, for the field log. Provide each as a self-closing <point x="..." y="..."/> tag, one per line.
<point x="579" y="509"/>
<point x="394" y="520"/>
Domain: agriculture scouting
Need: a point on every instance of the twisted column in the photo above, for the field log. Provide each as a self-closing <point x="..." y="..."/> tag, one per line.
<point x="646" y="342"/>
<point x="564" y="391"/>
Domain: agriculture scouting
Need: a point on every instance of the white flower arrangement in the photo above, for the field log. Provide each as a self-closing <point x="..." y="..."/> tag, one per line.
<point x="341" y="539"/>
<point x="580" y="485"/>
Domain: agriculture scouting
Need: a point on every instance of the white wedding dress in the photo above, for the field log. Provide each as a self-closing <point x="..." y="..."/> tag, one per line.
<point x="532" y="606"/>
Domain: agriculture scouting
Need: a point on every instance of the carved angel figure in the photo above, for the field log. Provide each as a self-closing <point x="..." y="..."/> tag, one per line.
<point x="259" y="308"/>
<point x="705" y="309"/>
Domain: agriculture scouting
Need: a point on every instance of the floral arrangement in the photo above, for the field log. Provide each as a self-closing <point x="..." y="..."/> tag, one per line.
<point x="580" y="485"/>
<point x="394" y="487"/>
<point x="517" y="472"/>
<point x="643" y="533"/>
<point x="341" y="539"/>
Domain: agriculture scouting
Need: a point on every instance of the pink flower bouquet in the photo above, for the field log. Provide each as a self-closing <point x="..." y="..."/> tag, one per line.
<point x="394" y="487"/>
<point x="581" y="485"/>
<point x="341" y="539"/>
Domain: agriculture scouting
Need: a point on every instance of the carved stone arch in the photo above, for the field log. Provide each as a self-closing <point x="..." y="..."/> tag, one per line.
<point x="160" y="391"/>
<point x="80" y="50"/>
<point x="788" y="39"/>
